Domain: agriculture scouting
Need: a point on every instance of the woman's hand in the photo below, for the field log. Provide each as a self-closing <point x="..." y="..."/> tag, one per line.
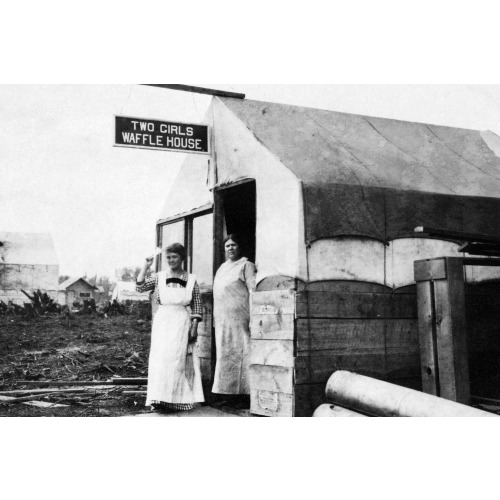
<point x="145" y="268"/>
<point x="193" y="332"/>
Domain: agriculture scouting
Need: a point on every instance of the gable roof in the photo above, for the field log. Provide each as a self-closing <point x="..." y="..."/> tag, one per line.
<point x="71" y="281"/>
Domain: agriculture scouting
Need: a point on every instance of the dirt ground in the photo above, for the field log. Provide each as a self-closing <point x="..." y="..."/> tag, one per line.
<point x="83" y="348"/>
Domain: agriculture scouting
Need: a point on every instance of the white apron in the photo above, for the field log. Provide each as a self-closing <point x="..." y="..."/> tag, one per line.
<point x="167" y="382"/>
<point x="232" y="327"/>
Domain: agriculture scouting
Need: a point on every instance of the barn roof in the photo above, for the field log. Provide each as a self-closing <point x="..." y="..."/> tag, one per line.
<point x="27" y="249"/>
<point x="379" y="177"/>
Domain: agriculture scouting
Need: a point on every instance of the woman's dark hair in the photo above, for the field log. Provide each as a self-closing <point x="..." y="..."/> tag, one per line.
<point x="234" y="237"/>
<point x="178" y="249"/>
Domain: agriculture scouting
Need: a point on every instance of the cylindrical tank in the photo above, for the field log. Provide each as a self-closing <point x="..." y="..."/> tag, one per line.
<point x="388" y="400"/>
<point x="333" y="411"/>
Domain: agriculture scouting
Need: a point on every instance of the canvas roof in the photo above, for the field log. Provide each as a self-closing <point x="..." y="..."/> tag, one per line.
<point x="27" y="249"/>
<point x="378" y="177"/>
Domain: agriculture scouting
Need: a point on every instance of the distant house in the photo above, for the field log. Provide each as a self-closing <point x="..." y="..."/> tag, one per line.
<point x="76" y="290"/>
<point x="125" y="290"/>
<point x="28" y="262"/>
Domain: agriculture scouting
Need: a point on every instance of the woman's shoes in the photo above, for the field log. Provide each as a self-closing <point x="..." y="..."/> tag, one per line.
<point x="162" y="410"/>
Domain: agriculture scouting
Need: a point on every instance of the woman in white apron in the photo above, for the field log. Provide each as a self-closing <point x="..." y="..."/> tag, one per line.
<point x="174" y="375"/>
<point x="234" y="282"/>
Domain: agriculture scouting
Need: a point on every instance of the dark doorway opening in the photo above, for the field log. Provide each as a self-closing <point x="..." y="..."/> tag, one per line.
<point x="483" y="338"/>
<point x="236" y="212"/>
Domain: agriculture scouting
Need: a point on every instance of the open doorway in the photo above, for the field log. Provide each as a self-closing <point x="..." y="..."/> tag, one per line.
<point x="235" y="211"/>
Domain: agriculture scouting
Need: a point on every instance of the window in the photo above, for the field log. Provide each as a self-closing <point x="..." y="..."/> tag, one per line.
<point x="85" y="295"/>
<point x="202" y="255"/>
<point x="171" y="233"/>
<point x="195" y="232"/>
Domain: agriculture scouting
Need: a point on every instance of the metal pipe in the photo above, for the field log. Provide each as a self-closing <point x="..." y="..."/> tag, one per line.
<point x="334" y="411"/>
<point x="388" y="400"/>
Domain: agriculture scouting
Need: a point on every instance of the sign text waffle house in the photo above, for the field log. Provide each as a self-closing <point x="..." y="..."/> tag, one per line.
<point x="155" y="134"/>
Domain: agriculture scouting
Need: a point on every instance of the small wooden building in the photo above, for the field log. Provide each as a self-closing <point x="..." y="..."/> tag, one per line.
<point x="327" y="204"/>
<point x="76" y="290"/>
<point x="28" y="262"/>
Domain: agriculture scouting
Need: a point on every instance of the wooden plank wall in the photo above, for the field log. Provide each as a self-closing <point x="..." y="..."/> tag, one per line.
<point x="443" y="335"/>
<point x="204" y="344"/>
<point x="359" y="327"/>
<point x="301" y="336"/>
<point x="272" y="353"/>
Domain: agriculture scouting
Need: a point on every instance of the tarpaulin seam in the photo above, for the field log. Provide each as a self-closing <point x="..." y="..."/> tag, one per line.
<point x="410" y="156"/>
<point x="349" y="152"/>
<point x="458" y="154"/>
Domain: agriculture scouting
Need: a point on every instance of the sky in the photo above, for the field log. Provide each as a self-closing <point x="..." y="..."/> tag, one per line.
<point x="60" y="174"/>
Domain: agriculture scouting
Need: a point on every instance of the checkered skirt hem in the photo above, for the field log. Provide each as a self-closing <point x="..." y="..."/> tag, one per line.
<point x="172" y="406"/>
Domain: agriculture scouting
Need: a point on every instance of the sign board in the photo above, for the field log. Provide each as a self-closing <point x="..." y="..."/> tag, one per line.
<point x="160" y="135"/>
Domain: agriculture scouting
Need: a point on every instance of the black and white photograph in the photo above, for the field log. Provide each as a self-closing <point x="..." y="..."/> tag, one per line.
<point x="316" y="263"/>
<point x="240" y="257"/>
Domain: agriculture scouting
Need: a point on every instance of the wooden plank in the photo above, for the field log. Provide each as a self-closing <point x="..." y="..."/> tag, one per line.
<point x="206" y="369"/>
<point x="276" y="302"/>
<point x="340" y="286"/>
<point x="272" y="353"/>
<point x="204" y="347"/>
<point x="45" y="391"/>
<point x="451" y="334"/>
<point x="271" y="378"/>
<point x="355" y="335"/>
<point x="271" y="404"/>
<point x="427" y="338"/>
<point x="205" y="328"/>
<point x="196" y="90"/>
<point x="272" y="326"/>
<point x="458" y="235"/>
<point x="392" y="366"/>
<point x="432" y="269"/>
<point x="356" y="305"/>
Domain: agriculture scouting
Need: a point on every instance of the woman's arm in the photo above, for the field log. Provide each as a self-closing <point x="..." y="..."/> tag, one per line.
<point x="143" y="285"/>
<point x="249" y="276"/>
<point x="196" y="314"/>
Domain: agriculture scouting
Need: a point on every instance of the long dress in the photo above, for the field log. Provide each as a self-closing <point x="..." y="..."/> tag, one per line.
<point x="167" y="378"/>
<point x="232" y="286"/>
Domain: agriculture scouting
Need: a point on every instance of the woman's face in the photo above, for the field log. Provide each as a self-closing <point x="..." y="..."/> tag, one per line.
<point x="232" y="250"/>
<point x="174" y="261"/>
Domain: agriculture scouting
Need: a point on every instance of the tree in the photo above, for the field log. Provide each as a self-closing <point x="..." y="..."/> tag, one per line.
<point x="62" y="279"/>
<point x="128" y="273"/>
<point x="106" y="284"/>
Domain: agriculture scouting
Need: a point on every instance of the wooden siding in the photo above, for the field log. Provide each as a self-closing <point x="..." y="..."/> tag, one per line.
<point x="299" y="338"/>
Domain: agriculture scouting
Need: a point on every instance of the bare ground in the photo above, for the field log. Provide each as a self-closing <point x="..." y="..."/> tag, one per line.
<point x="84" y="348"/>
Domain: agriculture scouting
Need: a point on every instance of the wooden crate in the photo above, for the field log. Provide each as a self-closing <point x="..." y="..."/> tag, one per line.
<point x="299" y="338"/>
